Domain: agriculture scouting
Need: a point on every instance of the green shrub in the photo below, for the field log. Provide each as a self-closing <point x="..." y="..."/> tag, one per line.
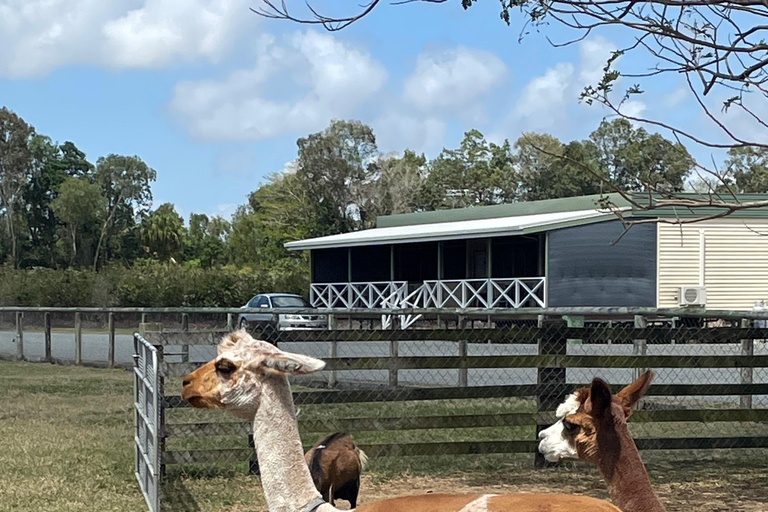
<point x="148" y="284"/>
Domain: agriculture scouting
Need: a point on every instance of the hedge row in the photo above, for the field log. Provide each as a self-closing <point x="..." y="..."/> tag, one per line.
<point x="151" y="285"/>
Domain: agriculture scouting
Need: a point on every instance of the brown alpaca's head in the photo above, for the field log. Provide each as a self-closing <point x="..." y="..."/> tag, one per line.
<point x="588" y="419"/>
<point x="235" y="378"/>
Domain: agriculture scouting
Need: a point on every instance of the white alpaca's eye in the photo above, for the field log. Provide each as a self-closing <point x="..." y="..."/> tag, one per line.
<point x="225" y="367"/>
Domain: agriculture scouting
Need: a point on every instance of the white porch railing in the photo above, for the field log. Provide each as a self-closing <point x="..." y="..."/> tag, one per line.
<point x="384" y="294"/>
<point x="484" y="293"/>
<point x="455" y="293"/>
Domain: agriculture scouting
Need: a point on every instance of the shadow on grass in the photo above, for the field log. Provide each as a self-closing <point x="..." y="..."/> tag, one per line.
<point x="176" y="498"/>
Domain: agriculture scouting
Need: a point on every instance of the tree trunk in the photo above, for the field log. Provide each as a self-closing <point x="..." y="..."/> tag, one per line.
<point x="104" y="229"/>
<point x="11" y="233"/>
<point x="74" y="246"/>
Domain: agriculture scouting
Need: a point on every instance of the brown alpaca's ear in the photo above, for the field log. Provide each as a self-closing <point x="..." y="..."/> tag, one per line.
<point x="634" y="392"/>
<point x="600" y="395"/>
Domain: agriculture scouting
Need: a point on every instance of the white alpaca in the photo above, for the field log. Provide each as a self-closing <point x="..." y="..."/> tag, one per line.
<point x="248" y="378"/>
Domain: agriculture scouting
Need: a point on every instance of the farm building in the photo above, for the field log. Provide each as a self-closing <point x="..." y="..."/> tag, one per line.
<point x="552" y="253"/>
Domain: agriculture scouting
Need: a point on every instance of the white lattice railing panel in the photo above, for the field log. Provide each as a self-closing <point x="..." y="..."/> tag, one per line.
<point x="463" y="293"/>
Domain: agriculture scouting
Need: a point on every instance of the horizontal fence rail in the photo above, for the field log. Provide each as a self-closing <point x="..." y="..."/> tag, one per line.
<point x="437" y="382"/>
<point x="478" y="391"/>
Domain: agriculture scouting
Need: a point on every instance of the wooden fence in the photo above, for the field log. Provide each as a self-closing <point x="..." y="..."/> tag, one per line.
<point x="678" y="415"/>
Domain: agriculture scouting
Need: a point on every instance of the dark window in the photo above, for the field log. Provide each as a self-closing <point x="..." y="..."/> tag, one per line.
<point x="455" y="259"/>
<point x="330" y="265"/>
<point x="516" y="256"/>
<point x="477" y="257"/>
<point x="370" y="264"/>
<point x="416" y="262"/>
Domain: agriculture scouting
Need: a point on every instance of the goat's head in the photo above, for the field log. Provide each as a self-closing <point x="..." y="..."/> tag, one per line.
<point x="235" y="378"/>
<point x="587" y="417"/>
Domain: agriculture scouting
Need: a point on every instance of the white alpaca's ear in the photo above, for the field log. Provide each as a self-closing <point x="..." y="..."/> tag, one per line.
<point x="294" y="364"/>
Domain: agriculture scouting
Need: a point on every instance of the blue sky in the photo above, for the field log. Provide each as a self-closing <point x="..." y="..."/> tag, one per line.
<point x="214" y="97"/>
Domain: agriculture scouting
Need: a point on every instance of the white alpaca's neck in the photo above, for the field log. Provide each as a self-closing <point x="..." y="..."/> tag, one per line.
<point x="285" y="477"/>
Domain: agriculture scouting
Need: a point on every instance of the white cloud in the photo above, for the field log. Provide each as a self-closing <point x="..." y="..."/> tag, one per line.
<point x="545" y="95"/>
<point x="339" y="78"/>
<point x="225" y="210"/>
<point x="396" y="131"/>
<point x="38" y="36"/>
<point x="453" y="78"/>
<point x="594" y="53"/>
<point x="632" y="108"/>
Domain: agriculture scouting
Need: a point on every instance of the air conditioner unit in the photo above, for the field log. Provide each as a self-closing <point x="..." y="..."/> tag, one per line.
<point x="692" y="296"/>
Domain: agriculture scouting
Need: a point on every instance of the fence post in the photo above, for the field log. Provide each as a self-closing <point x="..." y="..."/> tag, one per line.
<point x="47" y="334"/>
<point x="111" y="349"/>
<point x="230" y="322"/>
<point x="185" y="328"/>
<point x="747" y="349"/>
<point x="332" y="374"/>
<point x="551" y="380"/>
<point x="574" y="321"/>
<point x="463" y="363"/>
<point x="640" y="349"/>
<point x="20" y="335"/>
<point x="78" y="338"/>
<point x="393" y="353"/>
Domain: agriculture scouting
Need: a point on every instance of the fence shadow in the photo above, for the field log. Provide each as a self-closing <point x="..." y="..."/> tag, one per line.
<point x="176" y="498"/>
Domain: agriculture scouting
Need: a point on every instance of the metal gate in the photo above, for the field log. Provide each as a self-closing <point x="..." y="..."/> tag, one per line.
<point x="147" y="395"/>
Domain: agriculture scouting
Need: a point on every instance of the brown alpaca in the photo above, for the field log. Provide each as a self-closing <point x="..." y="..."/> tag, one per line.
<point x="592" y="426"/>
<point x="335" y="463"/>
<point x="249" y="379"/>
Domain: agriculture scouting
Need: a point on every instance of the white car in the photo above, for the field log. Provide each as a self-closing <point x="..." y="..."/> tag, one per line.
<point x="282" y="321"/>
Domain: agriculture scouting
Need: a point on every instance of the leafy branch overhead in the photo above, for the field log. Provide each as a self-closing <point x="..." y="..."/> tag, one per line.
<point x="715" y="49"/>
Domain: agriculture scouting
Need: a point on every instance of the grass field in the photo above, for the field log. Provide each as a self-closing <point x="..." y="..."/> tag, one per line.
<point x="66" y="445"/>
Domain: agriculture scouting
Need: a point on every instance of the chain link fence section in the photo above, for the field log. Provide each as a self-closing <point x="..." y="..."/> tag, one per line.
<point x="450" y="387"/>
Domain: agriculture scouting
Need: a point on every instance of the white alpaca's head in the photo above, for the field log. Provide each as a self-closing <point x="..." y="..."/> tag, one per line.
<point x="585" y="415"/>
<point x="235" y="378"/>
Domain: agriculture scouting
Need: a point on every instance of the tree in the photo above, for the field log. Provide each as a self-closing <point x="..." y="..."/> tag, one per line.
<point x="15" y="166"/>
<point x="206" y="239"/>
<point x="747" y="169"/>
<point x="336" y="167"/>
<point x="400" y="182"/>
<point x="125" y="181"/>
<point x="549" y="169"/>
<point x="79" y="203"/>
<point x="634" y="160"/>
<point x="477" y="173"/>
<point x="717" y="48"/>
<point x="51" y="165"/>
<point x="162" y="232"/>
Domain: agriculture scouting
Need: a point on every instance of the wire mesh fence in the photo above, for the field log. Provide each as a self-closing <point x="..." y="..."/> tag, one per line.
<point x="484" y="389"/>
<point x="450" y="386"/>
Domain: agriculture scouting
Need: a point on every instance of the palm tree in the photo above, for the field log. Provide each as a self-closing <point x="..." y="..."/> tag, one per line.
<point x="162" y="232"/>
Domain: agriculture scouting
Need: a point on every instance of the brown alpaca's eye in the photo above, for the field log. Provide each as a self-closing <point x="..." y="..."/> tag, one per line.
<point x="570" y="426"/>
<point x="225" y="368"/>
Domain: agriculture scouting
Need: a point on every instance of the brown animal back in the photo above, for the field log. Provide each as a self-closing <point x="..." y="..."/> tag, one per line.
<point x="518" y="502"/>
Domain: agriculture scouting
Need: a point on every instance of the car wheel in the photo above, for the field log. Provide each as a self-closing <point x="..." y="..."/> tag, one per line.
<point x="244" y="324"/>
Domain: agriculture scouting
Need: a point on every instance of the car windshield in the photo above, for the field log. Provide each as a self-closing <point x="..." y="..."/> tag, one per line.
<point x="289" y="302"/>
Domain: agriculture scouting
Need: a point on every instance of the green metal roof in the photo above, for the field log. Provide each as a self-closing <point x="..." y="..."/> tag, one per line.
<point x="574" y="204"/>
<point x="565" y="204"/>
<point x="704" y="211"/>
